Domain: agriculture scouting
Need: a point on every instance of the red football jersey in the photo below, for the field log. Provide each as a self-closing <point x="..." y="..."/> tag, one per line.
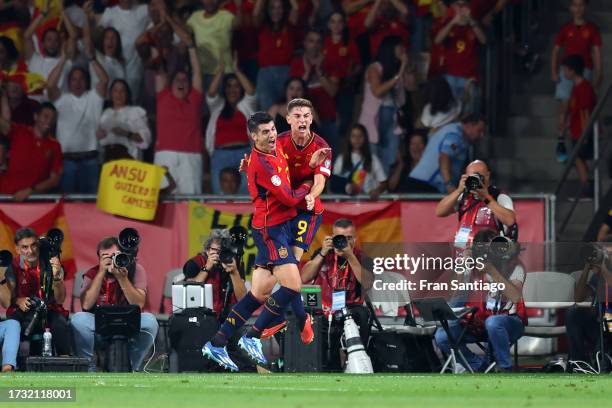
<point x="461" y="51"/>
<point x="583" y="100"/>
<point x="270" y="188"/>
<point x="579" y="40"/>
<point x="298" y="158"/>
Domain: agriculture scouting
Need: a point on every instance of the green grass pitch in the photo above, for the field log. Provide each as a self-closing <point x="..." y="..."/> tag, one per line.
<point x="319" y="390"/>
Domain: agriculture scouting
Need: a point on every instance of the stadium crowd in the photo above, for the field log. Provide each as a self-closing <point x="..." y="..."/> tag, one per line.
<point x="173" y="82"/>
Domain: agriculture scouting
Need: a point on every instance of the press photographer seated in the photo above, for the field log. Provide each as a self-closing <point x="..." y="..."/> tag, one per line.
<point x="37" y="284"/>
<point x="108" y="284"/>
<point x="344" y="274"/>
<point x="9" y="329"/>
<point x="501" y="317"/>
<point x="217" y="267"/>
<point x="582" y="323"/>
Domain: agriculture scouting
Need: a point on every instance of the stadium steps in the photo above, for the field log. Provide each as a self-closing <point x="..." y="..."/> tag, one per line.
<point x="525" y="156"/>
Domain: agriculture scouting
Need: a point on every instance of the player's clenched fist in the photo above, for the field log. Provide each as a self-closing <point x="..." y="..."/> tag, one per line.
<point x="310" y="202"/>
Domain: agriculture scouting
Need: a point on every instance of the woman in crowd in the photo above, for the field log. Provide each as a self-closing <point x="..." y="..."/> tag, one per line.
<point x="407" y="159"/>
<point x="108" y="53"/>
<point x="276" y="23"/>
<point x="357" y="170"/>
<point x="123" y="131"/>
<point x="226" y="138"/>
<point x="441" y="107"/>
<point x="342" y="55"/>
<point x="384" y="94"/>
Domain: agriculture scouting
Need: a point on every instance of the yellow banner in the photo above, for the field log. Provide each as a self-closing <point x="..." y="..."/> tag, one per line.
<point x="203" y="219"/>
<point x="130" y="188"/>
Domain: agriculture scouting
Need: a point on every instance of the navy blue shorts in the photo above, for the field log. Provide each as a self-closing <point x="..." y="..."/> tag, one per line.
<point x="304" y="227"/>
<point x="274" y="245"/>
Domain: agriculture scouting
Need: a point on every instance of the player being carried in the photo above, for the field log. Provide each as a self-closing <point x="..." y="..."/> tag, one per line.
<point x="309" y="159"/>
<point x="274" y="207"/>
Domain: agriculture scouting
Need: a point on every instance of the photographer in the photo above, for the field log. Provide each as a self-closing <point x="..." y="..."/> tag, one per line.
<point x="501" y="315"/>
<point x="479" y="205"/>
<point x="9" y="329"/>
<point x="107" y="284"/>
<point x="582" y="324"/>
<point x="342" y="271"/>
<point x="225" y="278"/>
<point x="29" y="290"/>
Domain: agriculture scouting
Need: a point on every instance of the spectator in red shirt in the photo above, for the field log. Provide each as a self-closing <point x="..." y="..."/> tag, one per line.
<point x="277" y="42"/>
<point x="357" y="11"/>
<point x="22" y="107"/>
<point x="579" y="37"/>
<point x="322" y="84"/>
<point x="437" y="61"/>
<point x="461" y="38"/>
<point x="387" y="18"/>
<point x="244" y="39"/>
<point x="35" y="158"/>
<point x="581" y="105"/>
<point x="227" y="140"/>
<point x="179" y="143"/>
<point x="342" y="57"/>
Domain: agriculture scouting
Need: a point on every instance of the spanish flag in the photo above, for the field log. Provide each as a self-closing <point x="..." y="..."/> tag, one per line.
<point x="12" y="31"/>
<point x="383" y="225"/>
<point x="31" y="82"/>
<point x="55" y="218"/>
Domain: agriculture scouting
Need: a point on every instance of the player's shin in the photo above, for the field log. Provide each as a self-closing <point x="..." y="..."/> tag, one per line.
<point x="273" y="308"/>
<point x="236" y="319"/>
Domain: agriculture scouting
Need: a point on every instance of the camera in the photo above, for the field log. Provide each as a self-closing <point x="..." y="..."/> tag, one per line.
<point x="38" y="306"/>
<point x="233" y="248"/>
<point x="6" y="258"/>
<point x="340" y="242"/>
<point x="595" y="254"/>
<point x="129" y="239"/>
<point x="51" y="243"/>
<point x="474" y="182"/>
<point x="500" y="248"/>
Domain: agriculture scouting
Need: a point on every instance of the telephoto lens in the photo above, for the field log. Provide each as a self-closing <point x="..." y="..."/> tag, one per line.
<point x="340" y="242"/>
<point x="121" y="260"/>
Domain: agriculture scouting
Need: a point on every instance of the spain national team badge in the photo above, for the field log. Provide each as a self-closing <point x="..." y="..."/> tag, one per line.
<point x="282" y="252"/>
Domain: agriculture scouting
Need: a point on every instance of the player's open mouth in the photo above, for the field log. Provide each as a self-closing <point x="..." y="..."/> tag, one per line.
<point x="302" y="128"/>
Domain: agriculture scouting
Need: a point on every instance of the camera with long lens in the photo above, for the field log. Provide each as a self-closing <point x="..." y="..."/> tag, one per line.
<point x="595" y="254"/>
<point x="340" y="242"/>
<point x="233" y="248"/>
<point x="6" y="258"/>
<point x="474" y="182"/>
<point x="129" y="240"/>
<point x="38" y="307"/>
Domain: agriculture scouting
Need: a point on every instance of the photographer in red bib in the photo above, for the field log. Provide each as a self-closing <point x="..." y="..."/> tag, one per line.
<point x="479" y="205"/>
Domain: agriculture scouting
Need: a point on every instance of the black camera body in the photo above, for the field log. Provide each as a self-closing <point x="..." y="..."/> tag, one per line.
<point x="38" y="307"/>
<point x="340" y="242"/>
<point x="474" y="182"/>
<point x="51" y="243"/>
<point x="595" y="254"/>
<point x="6" y="258"/>
<point x="233" y="248"/>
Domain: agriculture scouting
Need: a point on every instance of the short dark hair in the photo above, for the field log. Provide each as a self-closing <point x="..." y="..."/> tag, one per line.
<point x="574" y="62"/>
<point x="258" y="118"/>
<point x="343" y="223"/>
<point x="474" y="117"/>
<point x="49" y="30"/>
<point x="85" y="73"/>
<point x="106" y="243"/>
<point x="23" y="233"/>
<point x="299" y="103"/>
<point x="45" y="105"/>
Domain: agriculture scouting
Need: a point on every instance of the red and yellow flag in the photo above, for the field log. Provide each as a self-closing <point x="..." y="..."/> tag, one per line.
<point x="384" y="225"/>
<point x="13" y="31"/>
<point x="30" y="82"/>
<point x="55" y="218"/>
<point x="52" y="20"/>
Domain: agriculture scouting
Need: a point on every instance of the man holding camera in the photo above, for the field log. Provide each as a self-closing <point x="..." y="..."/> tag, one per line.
<point x="32" y="294"/>
<point x="225" y="278"/>
<point x="500" y="316"/>
<point x="109" y="284"/>
<point x="479" y="205"/>
<point x="582" y="323"/>
<point x="341" y="270"/>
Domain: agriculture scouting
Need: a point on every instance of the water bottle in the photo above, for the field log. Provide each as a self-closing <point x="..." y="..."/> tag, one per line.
<point x="47" y="350"/>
